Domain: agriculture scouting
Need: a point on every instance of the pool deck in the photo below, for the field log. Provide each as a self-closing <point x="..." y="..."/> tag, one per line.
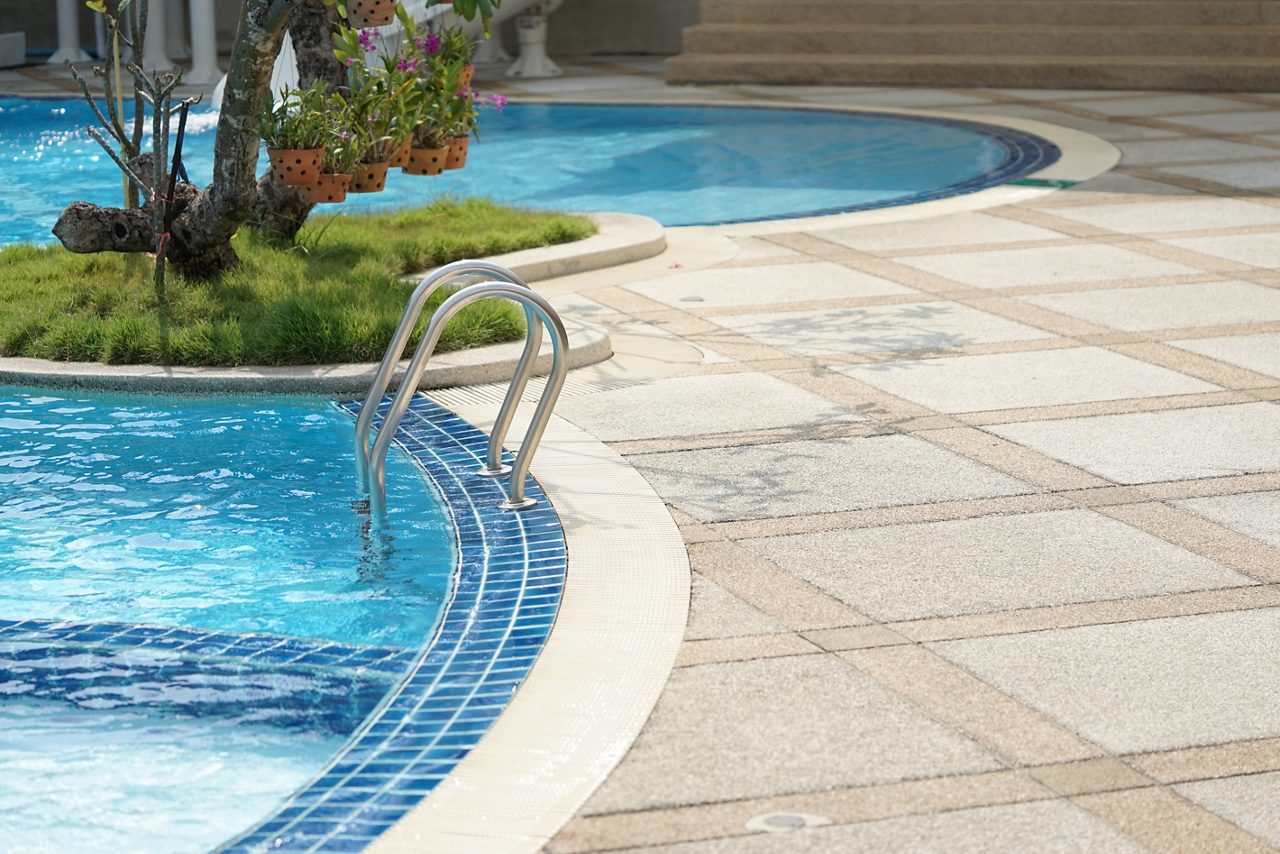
<point x="983" y="508"/>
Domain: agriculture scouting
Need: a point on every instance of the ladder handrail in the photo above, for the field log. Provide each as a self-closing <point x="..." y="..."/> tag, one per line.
<point x="516" y="499"/>
<point x="400" y="339"/>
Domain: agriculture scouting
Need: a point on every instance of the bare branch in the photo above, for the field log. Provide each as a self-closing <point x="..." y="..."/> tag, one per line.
<point x="124" y="167"/>
<point x="93" y="105"/>
<point x="186" y="102"/>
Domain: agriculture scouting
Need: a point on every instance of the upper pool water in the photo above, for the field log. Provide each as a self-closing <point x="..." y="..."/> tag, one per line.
<point x="681" y="165"/>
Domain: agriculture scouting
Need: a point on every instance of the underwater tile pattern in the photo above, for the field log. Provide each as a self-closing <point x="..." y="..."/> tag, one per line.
<point x="204" y="645"/>
<point x="288" y="683"/>
<point x="504" y="600"/>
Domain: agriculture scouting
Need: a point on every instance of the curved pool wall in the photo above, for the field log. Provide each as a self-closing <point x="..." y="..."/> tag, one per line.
<point x="680" y="165"/>
<point x="506" y="593"/>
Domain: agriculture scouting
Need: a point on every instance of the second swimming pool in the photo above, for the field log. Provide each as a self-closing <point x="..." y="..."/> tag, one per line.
<point x="681" y="165"/>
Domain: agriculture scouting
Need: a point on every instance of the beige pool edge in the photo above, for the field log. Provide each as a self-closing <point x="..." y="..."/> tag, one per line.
<point x="615" y="640"/>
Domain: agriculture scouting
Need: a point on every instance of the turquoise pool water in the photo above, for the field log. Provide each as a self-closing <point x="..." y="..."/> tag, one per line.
<point x="680" y="165"/>
<point x="193" y="621"/>
<point x="228" y="514"/>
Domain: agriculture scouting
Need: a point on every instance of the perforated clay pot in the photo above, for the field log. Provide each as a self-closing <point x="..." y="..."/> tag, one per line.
<point x="458" y="148"/>
<point x="330" y="188"/>
<point x="401" y="155"/>
<point x="426" y="161"/>
<point x="296" y="167"/>
<point x="369" y="178"/>
<point x="370" y="13"/>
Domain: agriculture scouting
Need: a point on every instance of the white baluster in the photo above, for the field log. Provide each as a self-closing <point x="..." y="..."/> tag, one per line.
<point x="175" y="30"/>
<point x="531" y="32"/>
<point x="204" y="44"/>
<point x="154" y="57"/>
<point x="68" y="34"/>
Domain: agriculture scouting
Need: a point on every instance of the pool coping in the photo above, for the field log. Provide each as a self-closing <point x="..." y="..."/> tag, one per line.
<point x="621" y="622"/>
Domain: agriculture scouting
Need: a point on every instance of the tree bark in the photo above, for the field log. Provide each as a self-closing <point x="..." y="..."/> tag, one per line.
<point x="87" y="228"/>
<point x="229" y="201"/>
<point x="279" y="209"/>
<point x="200" y="233"/>
<point x="311" y="29"/>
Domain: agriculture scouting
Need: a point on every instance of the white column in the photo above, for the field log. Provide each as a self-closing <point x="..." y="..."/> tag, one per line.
<point x="175" y="30"/>
<point x="68" y="34"/>
<point x="490" y="49"/>
<point x="100" y="36"/>
<point x="153" y="56"/>
<point x="204" y="44"/>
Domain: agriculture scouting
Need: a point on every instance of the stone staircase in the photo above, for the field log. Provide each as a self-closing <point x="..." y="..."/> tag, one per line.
<point x="1194" y="45"/>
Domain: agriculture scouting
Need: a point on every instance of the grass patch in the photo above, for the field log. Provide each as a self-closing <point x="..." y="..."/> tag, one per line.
<point x="334" y="295"/>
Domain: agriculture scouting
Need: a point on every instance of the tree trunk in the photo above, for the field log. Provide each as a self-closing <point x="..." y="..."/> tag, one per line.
<point x="200" y="234"/>
<point x="279" y="209"/>
<point x="311" y="28"/>
<point x="207" y="226"/>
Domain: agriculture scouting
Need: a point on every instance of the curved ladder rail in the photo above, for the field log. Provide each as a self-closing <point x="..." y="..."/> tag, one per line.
<point x="516" y="499"/>
<point x="494" y="466"/>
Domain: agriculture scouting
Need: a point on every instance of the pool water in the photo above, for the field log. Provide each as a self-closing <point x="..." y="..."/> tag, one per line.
<point x="124" y="780"/>
<point x="193" y="618"/>
<point x="681" y="165"/>
<point x="230" y="514"/>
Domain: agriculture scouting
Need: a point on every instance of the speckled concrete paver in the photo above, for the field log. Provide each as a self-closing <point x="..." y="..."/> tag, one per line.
<point x="1068" y="463"/>
<point x="1026" y="604"/>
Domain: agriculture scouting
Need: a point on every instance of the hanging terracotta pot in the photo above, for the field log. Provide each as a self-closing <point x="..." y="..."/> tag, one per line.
<point x="370" y="13"/>
<point x="369" y="178"/>
<point x="464" y="76"/>
<point x="458" y="147"/>
<point x="426" y="161"/>
<point x="296" y="167"/>
<point x="329" y="188"/>
<point x="401" y="155"/>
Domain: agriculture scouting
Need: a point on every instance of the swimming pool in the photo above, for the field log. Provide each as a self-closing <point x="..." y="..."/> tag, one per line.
<point x="310" y="710"/>
<point x="681" y="165"/>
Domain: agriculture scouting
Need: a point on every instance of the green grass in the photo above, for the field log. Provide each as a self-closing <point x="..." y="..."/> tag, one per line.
<point x="333" y="296"/>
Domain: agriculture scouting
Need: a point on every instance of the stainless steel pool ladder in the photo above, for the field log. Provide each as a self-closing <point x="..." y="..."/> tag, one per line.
<point x="502" y="283"/>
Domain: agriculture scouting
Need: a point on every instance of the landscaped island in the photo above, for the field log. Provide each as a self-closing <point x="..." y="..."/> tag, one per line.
<point x="333" y="295"/>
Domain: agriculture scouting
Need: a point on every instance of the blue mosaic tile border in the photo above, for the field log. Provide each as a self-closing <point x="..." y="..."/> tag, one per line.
<point x="1024" y="153"/>
<point x="506" y="594"/>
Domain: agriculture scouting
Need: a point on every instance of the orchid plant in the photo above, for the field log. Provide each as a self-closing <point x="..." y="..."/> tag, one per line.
<point x="344" y="145"/>
<point x="298" y="120"/>
<point x="415" y="91"/>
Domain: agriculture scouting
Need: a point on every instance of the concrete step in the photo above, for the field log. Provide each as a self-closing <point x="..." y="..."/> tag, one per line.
<point x="1193" y="73"/>
<point x="1064" y="12"/>
<point x="985" y="40"/>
